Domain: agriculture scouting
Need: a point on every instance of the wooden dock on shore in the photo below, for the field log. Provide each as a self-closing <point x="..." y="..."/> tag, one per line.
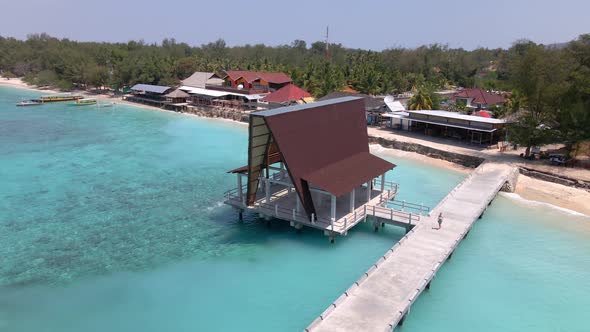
<point x="382" y="297"/>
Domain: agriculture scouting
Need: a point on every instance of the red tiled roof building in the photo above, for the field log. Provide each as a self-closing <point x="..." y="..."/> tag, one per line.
<point x="478" y="98"/>
<point x="287" y="94"/>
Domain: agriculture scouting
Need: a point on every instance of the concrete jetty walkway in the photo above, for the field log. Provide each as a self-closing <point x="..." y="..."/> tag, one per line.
<point x="382" y="297"/>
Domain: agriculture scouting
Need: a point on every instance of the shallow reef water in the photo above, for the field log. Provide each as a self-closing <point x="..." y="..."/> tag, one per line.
<point x="112" y="220"/>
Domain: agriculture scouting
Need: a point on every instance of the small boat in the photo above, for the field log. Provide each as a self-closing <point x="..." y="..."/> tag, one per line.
<point x="29" y="103"/>
<point x="101" y="105"/>
<point x="58" y="98"/>
<point x="85" y="101"/>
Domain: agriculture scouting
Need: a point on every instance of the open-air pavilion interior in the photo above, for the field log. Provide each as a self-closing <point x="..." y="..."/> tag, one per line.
<point x="468" y="128"/>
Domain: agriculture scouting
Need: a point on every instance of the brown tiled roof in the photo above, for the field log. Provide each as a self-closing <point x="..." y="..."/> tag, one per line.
<point x="480" y="96"/>
<point x="250" y="76"/>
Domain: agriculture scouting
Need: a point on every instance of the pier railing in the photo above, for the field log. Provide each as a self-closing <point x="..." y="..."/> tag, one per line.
<point x="392" y="214"/>
<point x="389" y="185"/>
<point x="405" y="206"/>
<point x="234" y="194"/>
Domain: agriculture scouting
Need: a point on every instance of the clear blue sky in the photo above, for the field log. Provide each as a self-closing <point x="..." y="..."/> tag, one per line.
<point x="369" y="24"/>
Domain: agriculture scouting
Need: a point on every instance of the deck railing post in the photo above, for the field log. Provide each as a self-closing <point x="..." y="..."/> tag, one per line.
<point x="276" y="210"/>
<point x="293" y="214"/>
<point x="312" y="218"/>
<point x="410" y="221"/>
<point x="355" y="216"/>
<point x="333" y="208"/>
<point x="352" y="199"/>
<point x="403" y="204"/>
<point x="240" y="193"/>
<point x="391" y="214"/>
<point x="345" y="223"/>
<point x="267" y="190"/>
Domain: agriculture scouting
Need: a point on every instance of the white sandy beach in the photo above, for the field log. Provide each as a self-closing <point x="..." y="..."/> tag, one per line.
<point x="528" y="188"/>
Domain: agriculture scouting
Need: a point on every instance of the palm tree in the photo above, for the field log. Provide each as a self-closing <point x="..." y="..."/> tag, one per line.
<point x="421" y="100"/>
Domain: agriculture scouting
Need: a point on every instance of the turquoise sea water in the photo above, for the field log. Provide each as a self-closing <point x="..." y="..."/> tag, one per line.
<point x="111" y="220"/>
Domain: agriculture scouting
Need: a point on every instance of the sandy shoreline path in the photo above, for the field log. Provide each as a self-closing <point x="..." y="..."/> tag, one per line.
<point x="19" y="84"/>
<point x="528" y="188"/>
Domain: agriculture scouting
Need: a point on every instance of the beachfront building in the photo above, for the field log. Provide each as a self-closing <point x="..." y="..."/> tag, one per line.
<point x="201" y="80"/>
<point x="177" y="100"/>
<point x="288" y="95"/>
<point x="238" y="90"/>
<point x="253" y="82"/>
<point x="478" y="99"/>
<point x="374" y="106"/>
<point x="468" y="128"/>
<point x="310" y="165"/>
<point x="154" y="95"/>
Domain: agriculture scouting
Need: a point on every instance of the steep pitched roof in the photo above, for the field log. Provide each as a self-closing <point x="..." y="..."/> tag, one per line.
<point x="371" y="103"/>
<point x="251" y="76"/>
<point x="199" y="79"/>
<point x="480" y="96"/>
<point x="342" y="176"/>
<point x="288" y="93"/>
<point x="324" y="144"/>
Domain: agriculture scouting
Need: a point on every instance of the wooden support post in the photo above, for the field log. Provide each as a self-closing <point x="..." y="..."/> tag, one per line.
<point x="333" y="209"/>
<point x="368" y="191"/>
<point x="401" y="321"/>
<point x="352" y="200"/>
<point x="240" y="193"/>
<point x="240" y="215"/>
<point x="267" y="190"/>
<point x="383" y="182"/>
<point x="298" y="204"/>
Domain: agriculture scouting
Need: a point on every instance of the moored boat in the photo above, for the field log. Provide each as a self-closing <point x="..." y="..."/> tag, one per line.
<point x="58" y="98"/>
<point x="101" y="105"/>
<point x="85" y="101"/>
<point x="29" y="103"/>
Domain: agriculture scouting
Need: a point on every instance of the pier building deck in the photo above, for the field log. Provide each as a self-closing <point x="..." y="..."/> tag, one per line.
<point x="382" y="297"/>
<point x="282" y="203"/>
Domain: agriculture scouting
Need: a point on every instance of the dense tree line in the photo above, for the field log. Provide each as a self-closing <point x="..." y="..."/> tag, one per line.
<point x="65" y="63"/>
<point x="551" y="92"/>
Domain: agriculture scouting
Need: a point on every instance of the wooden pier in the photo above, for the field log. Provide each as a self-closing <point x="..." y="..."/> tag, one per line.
<point x="382" y="297"/>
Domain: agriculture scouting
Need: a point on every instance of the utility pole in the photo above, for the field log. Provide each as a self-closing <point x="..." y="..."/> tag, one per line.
<point x="327" y="42"/>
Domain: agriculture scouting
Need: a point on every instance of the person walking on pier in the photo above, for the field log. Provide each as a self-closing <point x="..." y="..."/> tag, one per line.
<point x="440" y="220"/>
